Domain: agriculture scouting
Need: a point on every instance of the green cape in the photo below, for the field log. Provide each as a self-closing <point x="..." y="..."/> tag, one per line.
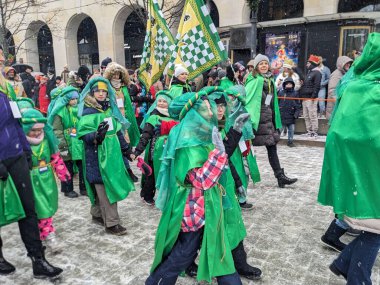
<point x="133" y="130"/>
<point x="225" y="83"/>
<point x="254" y="89"/>
<point x="11" y="209"/>
<point x="115" y="177"/>
<point x="350" y="173"/>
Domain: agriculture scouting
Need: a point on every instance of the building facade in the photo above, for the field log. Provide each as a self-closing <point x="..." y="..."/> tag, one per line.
<point x="76" y="32"/>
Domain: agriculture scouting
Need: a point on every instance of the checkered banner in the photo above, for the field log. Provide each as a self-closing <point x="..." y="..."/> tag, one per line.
<point x="159" y="45"/>
<point x="199" y="47"/>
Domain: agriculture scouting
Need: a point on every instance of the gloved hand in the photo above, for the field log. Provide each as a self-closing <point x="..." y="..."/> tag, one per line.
<point x="240" y="121"/>
<point x="3" y="172"/>
<point x="101" y="132"/>
<point x="60" y="167"/>
<point x="127" y="152"/>
<point x="217" y="140"/>
<point x="157" y="130"/>
<point x="28" y="156"/>
<point x="144" y="167"/>
<point x="241" y="192"/>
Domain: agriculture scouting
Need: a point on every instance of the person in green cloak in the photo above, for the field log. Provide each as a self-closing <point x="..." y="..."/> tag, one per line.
<point x="224" y="82"/>
<point x="102" y="127"/>
<point x="351" y="165"/>
<point x="64" y="119"/>
<point x="244" y="156"/>
<point x="119" y="78"/>
<point x="154" y="135"/>
<point x="179" y="83"/>
<point x="262" y="105"/>
<point x="236" y="232"/>
<point x="46" y="161"/>
<point x="191" y="198"/>
<point x="24" y="104"/>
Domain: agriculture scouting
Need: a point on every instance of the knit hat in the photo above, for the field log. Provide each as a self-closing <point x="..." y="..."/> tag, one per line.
<point x="179" y="69"/>
<point x="106" y="61"/>
<point x="313" y="59"/>
<point x="251" y="63"/>
<point x="288" y="64"/>
<point x="222" y="73"/>
<point x="259" y="58"/>
<point x="99" y="86"/>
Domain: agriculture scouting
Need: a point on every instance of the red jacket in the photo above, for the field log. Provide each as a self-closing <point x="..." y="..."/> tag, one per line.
<point x="43" y="99"/>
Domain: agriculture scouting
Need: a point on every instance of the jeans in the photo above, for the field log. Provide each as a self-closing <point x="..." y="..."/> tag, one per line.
<point x="322" y="95"/>
<point x="358" y="257"/>
<point x="273" y="158"/>
<point x="290" y="128"/>
<point x="182" y="255"/>
<point x="18" y="169"/>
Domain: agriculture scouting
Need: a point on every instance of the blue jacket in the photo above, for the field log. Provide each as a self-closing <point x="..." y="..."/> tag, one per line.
<point x="12" y="138"/>
<point x="93" y="175"/>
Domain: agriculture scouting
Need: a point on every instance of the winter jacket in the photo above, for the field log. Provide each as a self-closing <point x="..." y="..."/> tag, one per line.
<point x="231" y="141"/>
<point x="266" y="134"/>
<point x="140" y="100"/>
<point x="12" y="138"/>
<point x="334" y="80"/>
<point x="283" y="75"/>
<point x="91" y="154"/>
<point x="43" y="99"/>
<point x="289" y="109"/>
<point x="312" y="84"/>
<point x="50" y="85"/>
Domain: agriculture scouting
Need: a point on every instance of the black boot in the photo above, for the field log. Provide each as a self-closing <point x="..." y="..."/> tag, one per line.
<point x="132" y="175"/>
<point x="283" y="180"/>
<point x="242" y="267"/>
<point x="5" y="267"/>
<point x="332" y="235"/>
<point x="192" y="270"/>
<point x="42" y="268"/>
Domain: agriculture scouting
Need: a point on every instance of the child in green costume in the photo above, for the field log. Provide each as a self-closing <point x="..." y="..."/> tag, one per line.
<point x="243" y="158"/>
<point x="156" y="128"/>
<point x="64" y="119"/>
<point x="46" y="161"/>
<point x="119" y="78"/>
<point x="102" y="127"/>
<point x="191" y="198"/>
<point x="179" y="85"/>
<point x="231" y="132"/>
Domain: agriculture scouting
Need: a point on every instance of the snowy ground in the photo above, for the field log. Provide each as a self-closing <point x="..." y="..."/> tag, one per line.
<point x="284" y="229"/>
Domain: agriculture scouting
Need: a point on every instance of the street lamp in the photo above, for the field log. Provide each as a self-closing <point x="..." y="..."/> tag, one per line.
<point x="254" y="6"/>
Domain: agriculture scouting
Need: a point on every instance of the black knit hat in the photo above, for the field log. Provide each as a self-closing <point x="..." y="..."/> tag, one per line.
<point x="106" y="61"/>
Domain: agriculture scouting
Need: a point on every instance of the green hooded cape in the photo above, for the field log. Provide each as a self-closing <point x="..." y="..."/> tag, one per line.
<point x="133" y="130"/>
<point x="351" y="166"/>
<point x="254" y="89"/>
<point x="188" y="148"/>
<point x="114" y="174"/>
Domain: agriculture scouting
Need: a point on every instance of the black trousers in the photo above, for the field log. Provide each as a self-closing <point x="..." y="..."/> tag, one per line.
<point x="19" y="171"/>
<point x="273" y="158"/>
<point x="69" y="185"/>
<point x="148" y="189"/>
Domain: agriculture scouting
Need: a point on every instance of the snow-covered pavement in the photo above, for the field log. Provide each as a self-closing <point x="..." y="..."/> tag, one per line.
<point x="284" y="229"/>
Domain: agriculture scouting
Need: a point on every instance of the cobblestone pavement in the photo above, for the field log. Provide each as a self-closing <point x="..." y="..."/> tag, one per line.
<point x="283" y="234"/>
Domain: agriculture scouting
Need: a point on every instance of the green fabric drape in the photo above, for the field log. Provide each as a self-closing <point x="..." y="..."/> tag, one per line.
<point x="349" y="181"/>
<point x="133" y="130"/>
<point x="254" y="89"/>
<point x="11" y="209"/>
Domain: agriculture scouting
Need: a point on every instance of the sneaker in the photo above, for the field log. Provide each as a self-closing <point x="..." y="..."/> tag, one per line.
<point x="149" y="202"/>
<point x="52" y="244"/>
<point x="246" y="206"/>
<point x="98" y="220"/>
<point x="117" y="230"/>
<point x="314" y="135"/>
<point x="71" y="194"/>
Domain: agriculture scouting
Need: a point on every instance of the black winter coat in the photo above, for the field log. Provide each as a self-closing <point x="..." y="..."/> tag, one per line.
<point x="312" y="84"/>
<point x="266" y="134"/>
<point x="231" y="141"/>
<point x="289" y="109"/>
<point x="93" y="175"/>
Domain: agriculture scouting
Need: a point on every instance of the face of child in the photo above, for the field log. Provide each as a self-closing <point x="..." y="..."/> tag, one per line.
<point x="205" y="110"/>
<point x="36" y="132"/>
<point x="100" y="95"/>
<point x="221" y="110"/>
<point x="183" y="77"/>
<point x="263" y="67"/>
<point x="161" y="103"/>
<point x="288" y="86"/>
<point x="73" y="102"/>
<point x="116" y="76"/>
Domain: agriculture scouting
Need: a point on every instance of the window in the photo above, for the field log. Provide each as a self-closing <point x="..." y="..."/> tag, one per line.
<point x="353" y="39"/>
<point x="358" y="6"/>
<point x="270" y="10"/>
